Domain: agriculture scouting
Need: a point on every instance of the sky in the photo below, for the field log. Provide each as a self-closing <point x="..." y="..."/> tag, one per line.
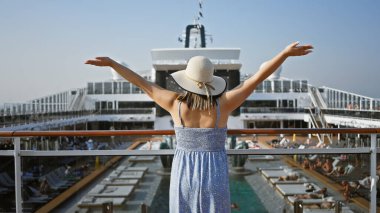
<point x="44" y="43"/>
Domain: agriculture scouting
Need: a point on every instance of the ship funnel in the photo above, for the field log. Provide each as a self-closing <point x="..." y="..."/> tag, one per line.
<point x="276" y="74"/>
<point x="199" y="28"/>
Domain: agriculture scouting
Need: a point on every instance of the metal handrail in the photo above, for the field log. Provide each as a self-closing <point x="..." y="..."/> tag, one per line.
<point x="18" y="153"/>
<point x="269" y="131"/>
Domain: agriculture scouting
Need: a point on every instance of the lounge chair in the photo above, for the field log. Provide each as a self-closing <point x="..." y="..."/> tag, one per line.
<point x="97" y="202"/>
<point x="261" y="158"/>
<point x="120" y="182"/>
<point x="295" y="189"/>
<point x="141" y="158"/>
<point x="114" y="191"/>
<point x="345" y="209"/>
<point x="137" y="168"/>
<point x="129" y="175"/>
<point x="275" y="181"/>
<point x="292" y="199"/>
<point x="275" y="173"/>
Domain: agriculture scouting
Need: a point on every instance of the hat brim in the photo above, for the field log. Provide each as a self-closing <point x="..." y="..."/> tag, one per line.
<point x="190" y="85"/>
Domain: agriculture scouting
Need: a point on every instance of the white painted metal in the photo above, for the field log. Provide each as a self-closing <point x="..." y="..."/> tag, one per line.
<point x="18" y="181"/>
<point x="373" y="205"/>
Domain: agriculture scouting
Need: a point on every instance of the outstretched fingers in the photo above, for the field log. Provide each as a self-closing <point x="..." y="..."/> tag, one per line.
<point x="100" y="61"/>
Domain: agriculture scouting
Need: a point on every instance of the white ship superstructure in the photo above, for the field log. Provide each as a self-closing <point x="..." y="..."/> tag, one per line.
<point x="277" y="102"/>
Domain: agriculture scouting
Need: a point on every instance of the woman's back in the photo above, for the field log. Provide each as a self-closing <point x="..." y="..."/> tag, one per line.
<point x="199" y="176"/>
<point x="199" y="118"/>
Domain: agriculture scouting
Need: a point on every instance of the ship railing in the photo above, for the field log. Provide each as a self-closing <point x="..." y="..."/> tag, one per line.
<point x="14" y="120"/>
<point x="372" y="150"/>
<point x="273" y="110"/>
<point x="355" y="113"/>
<point x="128" y="111"/>
<point x="30" y="118"/>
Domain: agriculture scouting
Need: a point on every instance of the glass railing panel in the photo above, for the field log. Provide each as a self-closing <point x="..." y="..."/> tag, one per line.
<point x="76" y="143"/>
<point x="7" y="184"/>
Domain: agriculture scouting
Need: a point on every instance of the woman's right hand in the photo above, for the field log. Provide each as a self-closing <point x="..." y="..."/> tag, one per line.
<point x="100" y="61"/>
<point x="295" y="49"/>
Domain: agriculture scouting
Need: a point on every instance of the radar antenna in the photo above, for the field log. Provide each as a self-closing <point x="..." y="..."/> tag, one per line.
<point x="195" y="32"/>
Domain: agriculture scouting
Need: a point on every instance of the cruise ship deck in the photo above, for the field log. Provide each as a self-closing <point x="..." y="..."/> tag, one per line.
<point x="107" y="147"/>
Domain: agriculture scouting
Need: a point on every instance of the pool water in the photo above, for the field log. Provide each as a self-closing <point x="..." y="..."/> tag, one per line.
<point x="242" y="195"/>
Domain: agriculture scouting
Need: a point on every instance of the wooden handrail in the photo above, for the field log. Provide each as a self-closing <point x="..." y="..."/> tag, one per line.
<point x="171" y="132"/>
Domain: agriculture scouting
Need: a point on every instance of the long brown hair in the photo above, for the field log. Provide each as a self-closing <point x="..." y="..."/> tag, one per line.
<point x="198" y="102"/>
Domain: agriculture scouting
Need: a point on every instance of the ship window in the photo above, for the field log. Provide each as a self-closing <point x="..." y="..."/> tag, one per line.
<point x="284" y="103"/>
<point x="268" y="86"/>
<point x="136" y="90"/>
<point x="99" y="88"/>
<point x="277" y="86"/>
<point x="126" y="104"/>
<point x="296" y="86"/>
<point x="304" y="86"/>
<point x="109" y="105"/>
<point x="291" y="104"/>
<point x="90" y="88"/>
<point x="126" y="88"/>
<point x="259" y="88"/>
<point x="260" y="103"/>
<point x="104" y="105"/>
<point x="116" y="88"/>
<point x="107" y="88"/>
<point x="285" y="86"/>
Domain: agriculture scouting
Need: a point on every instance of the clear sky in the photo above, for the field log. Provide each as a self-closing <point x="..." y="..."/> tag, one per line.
<point x="44" y="43"/>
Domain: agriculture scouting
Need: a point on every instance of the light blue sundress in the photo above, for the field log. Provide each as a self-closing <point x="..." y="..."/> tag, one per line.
<point x="199" y="176"/>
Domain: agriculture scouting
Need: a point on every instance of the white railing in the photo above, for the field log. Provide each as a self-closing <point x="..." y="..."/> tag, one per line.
<point x="17" y="153"/>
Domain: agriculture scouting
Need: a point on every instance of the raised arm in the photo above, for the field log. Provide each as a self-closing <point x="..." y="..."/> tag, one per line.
<point x="235" y="97"/>
<point x="164" y="98"/>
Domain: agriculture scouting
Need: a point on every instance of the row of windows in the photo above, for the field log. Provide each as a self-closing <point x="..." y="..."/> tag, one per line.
<point x="99" y="88"/>
<point x="279" y="86"/>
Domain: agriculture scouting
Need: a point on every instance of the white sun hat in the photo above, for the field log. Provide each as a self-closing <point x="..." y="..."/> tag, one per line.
<point x="199" y="78"/>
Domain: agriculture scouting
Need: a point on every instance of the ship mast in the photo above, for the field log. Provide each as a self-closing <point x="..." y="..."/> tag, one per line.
<point x="195" y="34"/>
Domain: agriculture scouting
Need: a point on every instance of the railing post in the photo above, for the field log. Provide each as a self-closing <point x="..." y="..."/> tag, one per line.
<point x="373" y="205"/>
<point x="18" y="181"/>
<point x="298" y="206"/>
<point x="107" y="207"/>
<point x="144" y="208"/>
<point x="338" y="207"/>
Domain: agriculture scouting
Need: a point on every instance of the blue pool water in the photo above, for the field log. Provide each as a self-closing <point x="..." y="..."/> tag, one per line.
<point x="243" y="195"/>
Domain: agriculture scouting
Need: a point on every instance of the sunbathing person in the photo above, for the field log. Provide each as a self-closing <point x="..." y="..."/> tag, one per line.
<point x="316" y="195"/>
<point x="366" y="181"/>
<point x="306" y="163"/>
<point x="317" y="164"/>
<point x="349" y="188"/>
<point x="44" y="187"/>
<point x="291" y="176"/>
<point x="327" y="166"/>
<point x="338" y="171"/>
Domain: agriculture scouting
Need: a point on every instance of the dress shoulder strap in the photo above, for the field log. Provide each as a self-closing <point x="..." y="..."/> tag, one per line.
<point x="217" y="113"/>
<point x="179" y="113"/>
